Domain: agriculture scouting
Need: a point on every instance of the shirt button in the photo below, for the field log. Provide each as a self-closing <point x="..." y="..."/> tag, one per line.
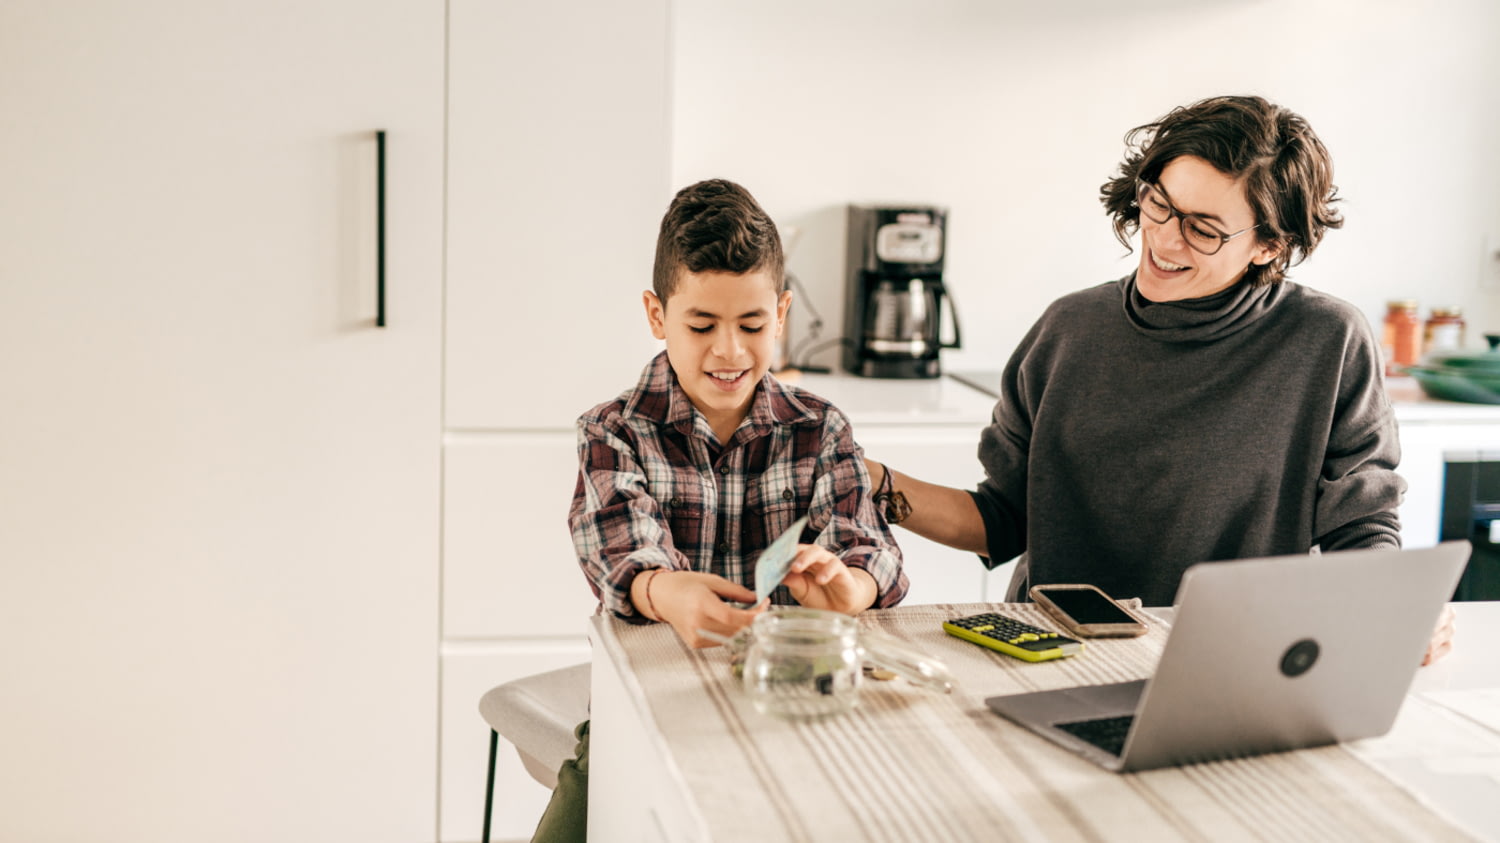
<point x="724" y="469"/>
<point x="786" y="494"/>
<point x="723" y="547"/>
<point x="675" y="502"/>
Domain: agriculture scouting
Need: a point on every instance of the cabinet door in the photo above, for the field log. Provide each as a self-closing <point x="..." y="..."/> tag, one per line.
<point x="218" y="517"/>
<point x="558" y="157"/>
<point x="509" y="570"/>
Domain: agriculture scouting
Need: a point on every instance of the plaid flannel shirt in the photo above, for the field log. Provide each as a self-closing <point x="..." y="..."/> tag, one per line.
<point x="656" y="489"/>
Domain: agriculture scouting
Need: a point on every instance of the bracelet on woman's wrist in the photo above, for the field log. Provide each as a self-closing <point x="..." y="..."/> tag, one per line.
<point x="891" y="501"/>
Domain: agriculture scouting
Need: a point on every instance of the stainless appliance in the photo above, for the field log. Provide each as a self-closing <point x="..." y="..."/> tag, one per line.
<point x="893" y="311"/>
<point x="1471" y="510"/>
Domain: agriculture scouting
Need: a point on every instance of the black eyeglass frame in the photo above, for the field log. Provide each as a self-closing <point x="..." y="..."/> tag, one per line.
<point x="1141" y="186"/>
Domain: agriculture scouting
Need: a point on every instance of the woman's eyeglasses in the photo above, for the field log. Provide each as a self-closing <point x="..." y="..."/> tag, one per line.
<point x="1201" y="235"/>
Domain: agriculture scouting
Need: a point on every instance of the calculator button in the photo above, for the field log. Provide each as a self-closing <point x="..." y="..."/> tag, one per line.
<point x="1027" y="636"/>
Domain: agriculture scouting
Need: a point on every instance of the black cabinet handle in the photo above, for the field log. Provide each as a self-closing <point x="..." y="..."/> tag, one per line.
<point x="380" y="228"/>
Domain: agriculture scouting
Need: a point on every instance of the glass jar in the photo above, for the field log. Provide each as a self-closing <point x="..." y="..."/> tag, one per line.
<point x="1444" y="330"/>
<point x="1401" y="341"/>
<point x="803" y="664"/>
<point x="807" y="664"/>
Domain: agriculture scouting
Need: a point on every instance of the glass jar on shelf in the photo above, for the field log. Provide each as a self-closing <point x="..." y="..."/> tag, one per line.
<point x="1444" y="330"/>
<point x="1401" y="340"/>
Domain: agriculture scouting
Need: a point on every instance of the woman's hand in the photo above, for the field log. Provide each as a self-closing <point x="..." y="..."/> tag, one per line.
<point x="819" y="580"/>
<point x="692" y="600"/>
<point x="1442" y="637"/>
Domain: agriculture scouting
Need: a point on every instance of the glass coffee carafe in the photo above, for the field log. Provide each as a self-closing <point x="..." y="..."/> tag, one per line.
<point x="904" y="320"/>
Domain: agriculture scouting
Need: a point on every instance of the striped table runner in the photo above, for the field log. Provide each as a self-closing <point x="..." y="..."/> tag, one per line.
<point x="912" y="765"/>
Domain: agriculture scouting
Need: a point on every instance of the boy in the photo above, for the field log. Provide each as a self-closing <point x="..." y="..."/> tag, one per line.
<point x="684" y="480"/>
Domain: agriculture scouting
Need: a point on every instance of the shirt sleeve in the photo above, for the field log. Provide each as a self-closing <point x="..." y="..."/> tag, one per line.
<point x="853" y="530"/>
<point x="618" y="528"/>
<point x="1358" y="488"/>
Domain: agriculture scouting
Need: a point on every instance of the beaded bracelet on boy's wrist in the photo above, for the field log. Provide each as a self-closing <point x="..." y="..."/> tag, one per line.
<point x="892" y="502"/>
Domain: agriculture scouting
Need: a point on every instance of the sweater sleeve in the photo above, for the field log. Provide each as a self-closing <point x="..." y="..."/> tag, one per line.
<point x="1358" y="488"/>
<point x="1005" y="454"/>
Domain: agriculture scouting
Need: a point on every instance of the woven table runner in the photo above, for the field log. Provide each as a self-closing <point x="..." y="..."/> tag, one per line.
<point x="909" y="764"/>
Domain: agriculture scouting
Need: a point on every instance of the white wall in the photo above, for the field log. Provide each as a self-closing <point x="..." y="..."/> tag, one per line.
<point x="1012" y="114"/>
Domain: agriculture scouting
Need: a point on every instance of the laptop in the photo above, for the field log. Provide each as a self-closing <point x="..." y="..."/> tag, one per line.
<point x="1264" y="655"/>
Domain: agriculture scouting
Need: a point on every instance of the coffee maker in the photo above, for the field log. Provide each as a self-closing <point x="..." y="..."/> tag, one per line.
<point x="893" y="307"/>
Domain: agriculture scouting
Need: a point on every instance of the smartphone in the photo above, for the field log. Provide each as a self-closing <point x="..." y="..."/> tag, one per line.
<point x="1086" y="611"/>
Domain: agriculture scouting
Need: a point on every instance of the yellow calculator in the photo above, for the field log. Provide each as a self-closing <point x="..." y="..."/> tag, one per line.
<point x="1013" y="637"/>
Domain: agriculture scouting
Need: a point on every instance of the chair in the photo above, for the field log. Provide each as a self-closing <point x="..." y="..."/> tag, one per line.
<point x="537" y="714"/>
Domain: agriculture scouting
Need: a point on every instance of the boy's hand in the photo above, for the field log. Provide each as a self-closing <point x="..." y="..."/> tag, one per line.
<point x="820" y="580"/>
<point x="693" y="600"/>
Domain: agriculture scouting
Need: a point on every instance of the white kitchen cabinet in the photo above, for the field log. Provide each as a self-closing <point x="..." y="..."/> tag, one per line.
<point x="220" y="499"/>
<point x="508" y="564"/>
<point x="1433" y="433"/>
<point x="558" y="175"/>
<point x="558" y="156"/>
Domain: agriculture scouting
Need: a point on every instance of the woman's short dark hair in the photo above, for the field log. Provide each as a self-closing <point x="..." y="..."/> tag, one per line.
<point x="716" y="226"/>
<point x="1287" y="173"/>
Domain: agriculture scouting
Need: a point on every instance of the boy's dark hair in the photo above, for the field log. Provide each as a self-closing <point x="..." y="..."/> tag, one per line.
<point x="715" y="226"/>
<point x="1287" y="173"/>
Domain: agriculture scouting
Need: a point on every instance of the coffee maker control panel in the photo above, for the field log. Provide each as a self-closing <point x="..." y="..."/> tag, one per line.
<point x="909" y="241"/>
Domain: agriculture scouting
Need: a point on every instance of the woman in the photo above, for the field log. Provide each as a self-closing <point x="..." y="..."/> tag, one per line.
<point x="1201" y="408"/>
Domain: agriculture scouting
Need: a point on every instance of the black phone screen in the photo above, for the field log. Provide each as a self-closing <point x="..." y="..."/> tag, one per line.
<point x="1086" y="606"/>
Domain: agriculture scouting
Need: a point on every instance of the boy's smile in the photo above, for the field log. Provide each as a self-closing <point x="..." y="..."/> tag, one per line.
<point x="721" y="330"/>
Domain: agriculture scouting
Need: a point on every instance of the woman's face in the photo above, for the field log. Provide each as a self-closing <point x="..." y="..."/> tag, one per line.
<point x="1172" y="270"/>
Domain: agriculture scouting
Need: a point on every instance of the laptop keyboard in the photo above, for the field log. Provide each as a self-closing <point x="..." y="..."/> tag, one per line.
<point x="1107" y="733"/>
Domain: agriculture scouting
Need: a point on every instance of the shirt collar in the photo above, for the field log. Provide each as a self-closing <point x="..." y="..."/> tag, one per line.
<point x="659" y="398"/>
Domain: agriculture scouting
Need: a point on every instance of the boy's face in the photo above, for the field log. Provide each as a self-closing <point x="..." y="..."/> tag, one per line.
<point x="721" y="331"/>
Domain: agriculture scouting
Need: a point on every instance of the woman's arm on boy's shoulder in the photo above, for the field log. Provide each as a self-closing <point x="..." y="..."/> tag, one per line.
<point x="941" y="513"/>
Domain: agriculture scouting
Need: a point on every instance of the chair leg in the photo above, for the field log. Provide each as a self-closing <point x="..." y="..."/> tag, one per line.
<point x="489" y="788"/>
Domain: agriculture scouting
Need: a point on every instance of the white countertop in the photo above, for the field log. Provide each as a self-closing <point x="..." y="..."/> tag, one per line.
<point x="943" y="400"/>
<point x="895" y="401"/>
<point x="1413" y="406"/>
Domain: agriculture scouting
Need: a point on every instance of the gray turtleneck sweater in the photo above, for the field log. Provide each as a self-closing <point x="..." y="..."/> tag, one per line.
<point x="1134" y="439"/>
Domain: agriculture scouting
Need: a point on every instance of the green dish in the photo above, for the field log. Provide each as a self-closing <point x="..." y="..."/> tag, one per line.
<point x="1486" y="365"/>
<point x="1473" y="385"/>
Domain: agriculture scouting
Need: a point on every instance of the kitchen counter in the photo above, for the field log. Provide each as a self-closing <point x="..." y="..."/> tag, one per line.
<point x="968" y="397"/>
<point x="899" y="401"/>
<point x="1413" y="405"/>
<point x="1408" y="399"/>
